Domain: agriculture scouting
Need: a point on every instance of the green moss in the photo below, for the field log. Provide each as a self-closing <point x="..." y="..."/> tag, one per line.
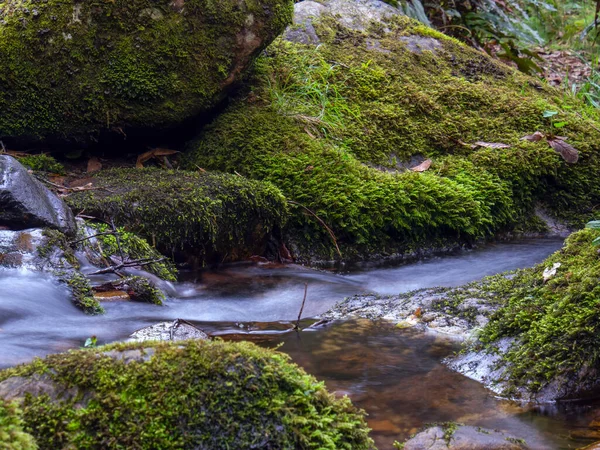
<point x="213" y="216"/>
<point x="42" y="163"/>
<point x="194" y="394"/>
<point x="82" y="295"/>
<point x="12" y="436"/>
<point x="72" y="69"/>
<point x="133" y="248"/>
<point x="556" y="323"/>
<point x="336" y="127"/>
<point x="140" y="289"/>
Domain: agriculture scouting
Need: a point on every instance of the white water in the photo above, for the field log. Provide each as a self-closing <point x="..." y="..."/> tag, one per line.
<point x="37" y="318"/>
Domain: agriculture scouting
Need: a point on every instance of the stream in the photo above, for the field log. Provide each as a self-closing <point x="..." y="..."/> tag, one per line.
<point x="396" y="375"/>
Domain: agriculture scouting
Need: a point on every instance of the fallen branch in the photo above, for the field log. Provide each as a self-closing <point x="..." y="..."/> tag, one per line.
<point x="126" y="264"/>
<point x="90" y="237"/>
<point x="297" y="326"/>
<point x="321" y="222"/>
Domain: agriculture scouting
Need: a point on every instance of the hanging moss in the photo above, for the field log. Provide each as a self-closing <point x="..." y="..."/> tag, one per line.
<point x="70" y="69"/>
<point x="12" y="436"/>
<point x="337" y="126"/>
<point x="195" y="394"/>
<point x="215" y="216"/>
<point x="556" y="323"/>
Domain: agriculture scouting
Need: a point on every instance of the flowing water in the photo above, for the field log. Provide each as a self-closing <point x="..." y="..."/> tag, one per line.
<point x="396" y="375"/>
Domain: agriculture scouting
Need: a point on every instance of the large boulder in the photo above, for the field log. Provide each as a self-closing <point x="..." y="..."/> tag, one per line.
<point x="211" y="216"/>
<point x="26" y="203"/>
<point x="355" y="95"/>
<point x="189" y="394"/>
<point x="69" y="69"/>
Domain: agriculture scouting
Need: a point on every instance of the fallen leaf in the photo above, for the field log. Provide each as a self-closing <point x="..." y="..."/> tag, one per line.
<point x="422" y="167"/>
<point x="567" y="151"/>
<point x="490" y="145"/>
<point x="535" y="137"/>
<point x="93" y="165"/>
<point x="154" y="153"/>
<point x="549" y="272"/>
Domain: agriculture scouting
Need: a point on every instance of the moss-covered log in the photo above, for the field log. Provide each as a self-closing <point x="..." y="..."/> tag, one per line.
<point x="338" y="126"/>
<point x="196" y="394"/>
<point x="70" y="69"/>
<point x="209" y="215"/>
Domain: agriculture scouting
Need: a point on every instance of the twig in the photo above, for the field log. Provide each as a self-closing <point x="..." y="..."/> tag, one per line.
<point x="124" y="265"/>
<point x="592" y="126"/>
<point x="112" y="224"/>
<point x="322" y="223"/>
<point x="90" y="237"/>
<point x="297" y="327"/>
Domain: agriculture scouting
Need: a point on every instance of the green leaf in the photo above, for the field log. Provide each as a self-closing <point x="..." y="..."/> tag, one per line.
<point x="550" y="113"/>
<point x="559" y="124"/>
<point x="595" y="224"/>
<point x="90" y="342"/>
<point x="596" y="241"/>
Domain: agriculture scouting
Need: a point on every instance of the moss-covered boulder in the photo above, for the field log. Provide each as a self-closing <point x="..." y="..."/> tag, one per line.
<point x="195" y="394"/>
<point x="70" y="69"/>
<point x="12" y="436"/>
<point x="337" y="116"/>
<point x="542" y="344"/>
<point x="216" y="217"/>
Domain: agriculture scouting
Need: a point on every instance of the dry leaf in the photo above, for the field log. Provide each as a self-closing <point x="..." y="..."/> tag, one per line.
<point x="93" y="165"/>
<point x="535" y="137"/>
<point x="549" y="272"/>
<point x="490" y="145"/>
<point x="422" y="167"/>
<point x="567" y="151"/>
<point x="154" y="153"/>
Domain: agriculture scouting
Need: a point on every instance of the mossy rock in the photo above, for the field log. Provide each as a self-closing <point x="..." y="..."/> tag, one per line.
<point x="12" y="436"/>
<point x="216" y="217"/>
<point x="547" y="331"/>
<point x="70" y="69"/>
<point x="192" y="394"/>
<point x="337" y="125"/>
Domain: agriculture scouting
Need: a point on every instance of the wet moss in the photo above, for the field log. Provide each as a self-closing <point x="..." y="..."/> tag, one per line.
<point x="213" y="216"/>
<point x="133" y="248"/>
<point x="556" y="324"/>
<point x="69" y="70"/>
<point x="12" y="436"/>
<point x="42" y="163"/>
<point x="195" y="394"/>
<point x="141" y="289"/>
<point x="82" y="294"/>
<point x="337" y="126"/>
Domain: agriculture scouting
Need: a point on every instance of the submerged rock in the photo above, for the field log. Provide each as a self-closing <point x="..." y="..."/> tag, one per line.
<point x="461" y="437"/>
<point x="343" y="106"/>
<point x="70" y="69"/>
<point x="191" y="394"/>
<point x="26" y="203"/>
<point x="178" y="330"/>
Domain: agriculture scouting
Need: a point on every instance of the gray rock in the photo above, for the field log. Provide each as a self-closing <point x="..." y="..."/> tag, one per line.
<point x="463" y="438"/>
<point x="16" y="388"/>
<point x="26" y="203"/>
<point x="177" y="330"/>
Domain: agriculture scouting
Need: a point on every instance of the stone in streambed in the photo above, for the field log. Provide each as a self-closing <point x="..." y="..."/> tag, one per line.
<point x="177" y="330"/>
<point x="26" y="203"/>
<point x="460" y="437"/>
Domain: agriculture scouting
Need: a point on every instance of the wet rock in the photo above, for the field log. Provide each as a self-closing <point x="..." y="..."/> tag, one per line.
<point x="177" y="330"/>
<point x="460" y="437"/>
<point x="16" y="388"/>
<point x="147" y="65"/>
<point x="26" y="203"/>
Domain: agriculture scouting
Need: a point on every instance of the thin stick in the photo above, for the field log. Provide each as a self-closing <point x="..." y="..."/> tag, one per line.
<point x="90" y="237"/>
<point x="297" y="327"/>
<point x="112" y="224"/>
<point x="114" y="269"/>
<point x="322" y="223"/>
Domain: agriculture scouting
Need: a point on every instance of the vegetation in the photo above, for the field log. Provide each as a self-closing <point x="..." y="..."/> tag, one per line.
<point x="42" y="163"/>
<point x="555" y="323"/>
<point x="12" y="436"/>
<point x="195" y="394"/>
<point x="337" y="128"/>
<point x="212" y="216"/>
